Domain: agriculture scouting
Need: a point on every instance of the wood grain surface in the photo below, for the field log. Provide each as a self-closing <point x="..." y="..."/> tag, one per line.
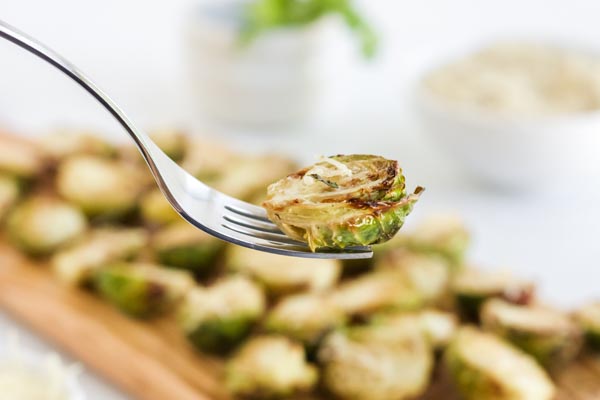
<point x="152" y="360"/>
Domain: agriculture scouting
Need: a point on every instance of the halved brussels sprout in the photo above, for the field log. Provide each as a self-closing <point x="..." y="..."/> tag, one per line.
<point x="377" y="291"/>
<point x="156" y="209"/>
<point x="428" y="274"/>
<point x="341" y="201"/>
<point x="588" y="317"/>
<point x="207" y="160"/>
<point x="283" y="275"/>
<point x="249" y="176"/>
<point x="42" y="225"/>
<point x="270" y="367"/>
<point x="485" y="367"/>
<point x="305" y="317"/>
<point x="438" y="326"/>
<point x="549" y="335"/>
<point x="172" y="141"/>
<point x="442" y="234"/>
<point x="382" y="361"/>
<point x="20" y="159"/>
<point x="9" y="193"/>
<point x="61" y="144"/>
<point x="184" y="246"/>
<point x="472" y="287"/>
<point x="142" y="290"/>
<point x="217" y="318"/>
<point x="76" y="265"/>
<point x="101" y="187"/>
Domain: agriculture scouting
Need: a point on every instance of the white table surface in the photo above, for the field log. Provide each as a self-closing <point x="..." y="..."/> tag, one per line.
<point x="363" y="107"/>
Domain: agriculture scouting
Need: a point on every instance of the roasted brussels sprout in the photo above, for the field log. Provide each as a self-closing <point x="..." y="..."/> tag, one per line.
<point x="438" y="326"/>
<point x="9" y="193"/>
<point x="184" y="246"/>
<point x="305" y="317"/>
<point x="270" y="367"/>
<point x="283" y="275"/>
<point x="443" y="234"/>
<point x="20" y="159"/>
<point x="207" y="160"/>
<point x="428" y="274"/>
<point x="249" y="176"/>
<point x="142" y="290"/>
<point x="217" y="318"/>
<point x="472" y="287"/>
<point x="101" y="187"/>
<point x="42" y="225"/>
<point x="377" y="291"/>
<point x="382" y="361"/>
<point x="549" y="335"/>
<point x="485" y="367"/>
<point x="156" y="209"/>
<point x="172" y="141"/>
<point x="61" y="144"/>
<point x="588" y="317"/>
<point x="77" y="264"/>
<point x="341" y="201"/>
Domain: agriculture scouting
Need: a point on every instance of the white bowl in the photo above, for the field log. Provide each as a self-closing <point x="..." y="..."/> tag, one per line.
<point x="510" y="151"/>
<point x="266" y="82"/>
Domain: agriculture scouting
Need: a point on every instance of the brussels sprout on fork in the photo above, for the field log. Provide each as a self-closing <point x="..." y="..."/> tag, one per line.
<point x="342" y="201"/>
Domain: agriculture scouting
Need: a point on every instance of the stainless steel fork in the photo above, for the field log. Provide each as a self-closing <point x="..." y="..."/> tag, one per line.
<point x="220" y="215"/>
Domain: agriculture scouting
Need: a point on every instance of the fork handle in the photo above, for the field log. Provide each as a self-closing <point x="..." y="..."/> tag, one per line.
<point x="143" y="142"/>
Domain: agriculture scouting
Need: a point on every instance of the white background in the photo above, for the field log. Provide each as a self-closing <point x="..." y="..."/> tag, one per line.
<point x="133" y="49"/>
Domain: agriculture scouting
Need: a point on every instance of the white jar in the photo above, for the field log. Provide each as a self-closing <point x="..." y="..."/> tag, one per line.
<point x="264" y="82"/>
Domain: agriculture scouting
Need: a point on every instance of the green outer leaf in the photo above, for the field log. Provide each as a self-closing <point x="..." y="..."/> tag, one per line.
<point x="130" y="292"/>
<point x="220" y="335"/>
<point x="195" y="258"/>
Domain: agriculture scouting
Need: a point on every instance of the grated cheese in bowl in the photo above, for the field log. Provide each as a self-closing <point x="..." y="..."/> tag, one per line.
<point x="24" y="377"/>
<point x="521" y="78"/>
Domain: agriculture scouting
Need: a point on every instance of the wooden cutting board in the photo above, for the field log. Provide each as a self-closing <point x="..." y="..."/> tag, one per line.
<point x="151" y="360"/>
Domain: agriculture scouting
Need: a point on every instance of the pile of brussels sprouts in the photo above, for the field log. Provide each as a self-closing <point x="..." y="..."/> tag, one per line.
<point x="379" y="329"/>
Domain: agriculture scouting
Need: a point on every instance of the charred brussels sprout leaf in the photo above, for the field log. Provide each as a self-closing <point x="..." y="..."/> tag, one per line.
<point x="217" y="318"/>
<point x="42" y="225"/>
<point x="485" y="367"/>
<point x="270" y="367"/>
<point x="142" y="290"/>
<point x="341" y="201"/>
<point x="550" y="336"/>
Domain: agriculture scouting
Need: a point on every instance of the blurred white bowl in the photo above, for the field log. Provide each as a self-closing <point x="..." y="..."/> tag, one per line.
<point x="265" y="82"/>
<point x="514" y="152"/>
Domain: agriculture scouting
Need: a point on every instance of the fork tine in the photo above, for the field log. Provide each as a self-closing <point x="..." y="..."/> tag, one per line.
<point x="249" y="211"/>
<point x="253" y="224"/>
<point x="254" y="233"/>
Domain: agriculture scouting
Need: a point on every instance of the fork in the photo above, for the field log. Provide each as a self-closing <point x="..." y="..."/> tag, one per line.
<point x="225" y="217"/>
